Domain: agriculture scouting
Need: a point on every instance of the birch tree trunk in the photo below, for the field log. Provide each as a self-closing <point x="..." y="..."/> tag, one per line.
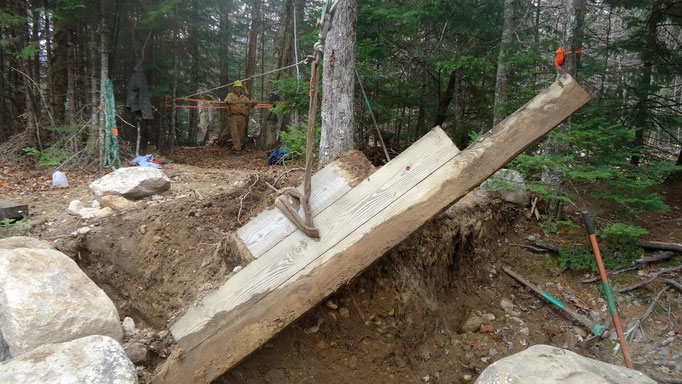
<point x="503" y="70"/>
<point x="338" y="85"/>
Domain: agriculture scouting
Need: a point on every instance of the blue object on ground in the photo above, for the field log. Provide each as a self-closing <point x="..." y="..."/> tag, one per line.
<point x="277" y="155"/>
<point x="145" y="161"/>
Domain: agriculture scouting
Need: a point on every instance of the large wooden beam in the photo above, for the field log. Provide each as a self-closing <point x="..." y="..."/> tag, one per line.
<point x="356" y="230"/>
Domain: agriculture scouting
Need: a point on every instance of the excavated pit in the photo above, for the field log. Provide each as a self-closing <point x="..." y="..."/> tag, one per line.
<point x="398" y="321"/>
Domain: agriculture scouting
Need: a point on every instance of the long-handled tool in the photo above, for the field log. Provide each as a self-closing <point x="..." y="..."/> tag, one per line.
<point x="589" y="225"/>
<point x="595" y="328"/>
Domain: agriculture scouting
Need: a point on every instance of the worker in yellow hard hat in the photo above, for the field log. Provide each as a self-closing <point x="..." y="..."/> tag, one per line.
<point x="238" y="110"/>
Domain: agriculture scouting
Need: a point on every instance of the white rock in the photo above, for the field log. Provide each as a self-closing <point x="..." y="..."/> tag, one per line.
<point x="96" y="204"/>
<point x="544" y="364"/>
<point x="91" y="360"/>
<point x="83" y="230"/>
<point x="510" y="185"/>
<point x="46" y="298"/>
<point x="23" y="242"/>
<point x="75" y="207"/>
<point x="104" y="212"/>
<point x="237" y="269"/>
<point x="131" y="183"/>
<point x="128" y="327"/>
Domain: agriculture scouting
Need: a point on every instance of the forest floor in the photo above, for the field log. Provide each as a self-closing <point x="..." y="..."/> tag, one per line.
<point x="400" y="321"/>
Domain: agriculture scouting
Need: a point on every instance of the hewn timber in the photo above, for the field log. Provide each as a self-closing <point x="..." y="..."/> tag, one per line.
<point x="234" y="331"/>
<point x="333" y="181"/>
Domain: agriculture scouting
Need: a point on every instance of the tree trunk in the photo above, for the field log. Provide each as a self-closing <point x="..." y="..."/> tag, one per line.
<point x="281" y="56"/>
<point x="421" y="114"/>
<point x="224" y="44"/>
<point x="338" y="84"/>
<point x="460" y="135"/>
<point x="104" y="73"/>
<point x="446" y="99"/>
<point x="641" y="118"/>
<point x="71" y="77"/>
<point x="574" y="13"/>
<point x="503" y="70"/>
<point x="253" y="40"/>
<point x="251" y="54"/>
<point x="573" y="33"/>
<point x="194" y="71"/>
<point x="94" y="110"/>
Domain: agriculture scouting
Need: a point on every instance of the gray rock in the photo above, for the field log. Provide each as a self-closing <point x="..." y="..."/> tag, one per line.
<point x="489" y="317"/>
<point x="136" y="352"/>
<point x="471" y="324"/>
<point x="544" y="364"/>
<point x="92" y="360"/>
<point x="23" y="242"/>
<point x="45" y="298"/>
<point x="131" y="183"/>
<point x="507" y="306"/>
<point x="509" y="184"/>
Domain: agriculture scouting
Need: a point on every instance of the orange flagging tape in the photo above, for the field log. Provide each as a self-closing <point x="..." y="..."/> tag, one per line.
<point x="561" y="56"/>
<point x="114" y="131"/>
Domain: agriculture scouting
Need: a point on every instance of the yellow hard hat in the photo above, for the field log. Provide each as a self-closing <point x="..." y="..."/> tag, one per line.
<point x="238" y="84"/>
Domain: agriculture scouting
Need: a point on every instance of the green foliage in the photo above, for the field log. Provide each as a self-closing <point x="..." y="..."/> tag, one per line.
<point x="295" y="139"/>
<point x="15" y="227"/>
<point x="582" y="258"/>
<point x="41" y="158"/>
<point x="10" y="19"/>
<point x="619" y="249"/>
<point x="623" y="232"/>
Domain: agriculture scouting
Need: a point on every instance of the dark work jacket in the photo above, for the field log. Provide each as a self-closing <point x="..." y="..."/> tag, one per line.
<point x="138" y="100"/>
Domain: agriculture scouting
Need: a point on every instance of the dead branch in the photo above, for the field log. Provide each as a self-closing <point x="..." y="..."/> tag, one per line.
<point x="241" y="200"/>
<point x="675" y="284"/>
<point x="660" y="245"/>
<point x="284" y="173"/>
<point x="543" y="245"/>
<point x="654" y="277"/>
<point x="661" y="256"/>
<point x="661" y="378"/>
<point x="640" y="320"/>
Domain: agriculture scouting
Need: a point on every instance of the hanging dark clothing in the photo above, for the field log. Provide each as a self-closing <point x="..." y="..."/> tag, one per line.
<point x="138" y="100"/>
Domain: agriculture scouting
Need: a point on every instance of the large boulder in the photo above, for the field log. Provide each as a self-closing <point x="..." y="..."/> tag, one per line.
<point x="23" y="242"/>
<point x="45" y="298"/>
<point x="544" y="364"/>
<point x="510" y="184"/>
<point x="131" y="183"/>
<point x="91" y="360"/>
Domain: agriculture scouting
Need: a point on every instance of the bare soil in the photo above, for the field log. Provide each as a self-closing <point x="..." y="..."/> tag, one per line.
<point x="400" y="321"/>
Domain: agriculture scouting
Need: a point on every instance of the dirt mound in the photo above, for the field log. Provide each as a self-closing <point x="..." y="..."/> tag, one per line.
<point x="157" y="259"/>
<point x="400" y="320"/>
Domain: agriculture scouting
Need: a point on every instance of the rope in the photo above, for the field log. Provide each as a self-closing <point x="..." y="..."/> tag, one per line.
<point x="242" y="80"/>
<point x="371" y="113"/>
<point x="111" y="157"/>
<point x="283" y="202"/>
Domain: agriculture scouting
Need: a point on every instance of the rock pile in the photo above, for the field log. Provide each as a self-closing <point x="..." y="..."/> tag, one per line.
<point x="56" y="325"/>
